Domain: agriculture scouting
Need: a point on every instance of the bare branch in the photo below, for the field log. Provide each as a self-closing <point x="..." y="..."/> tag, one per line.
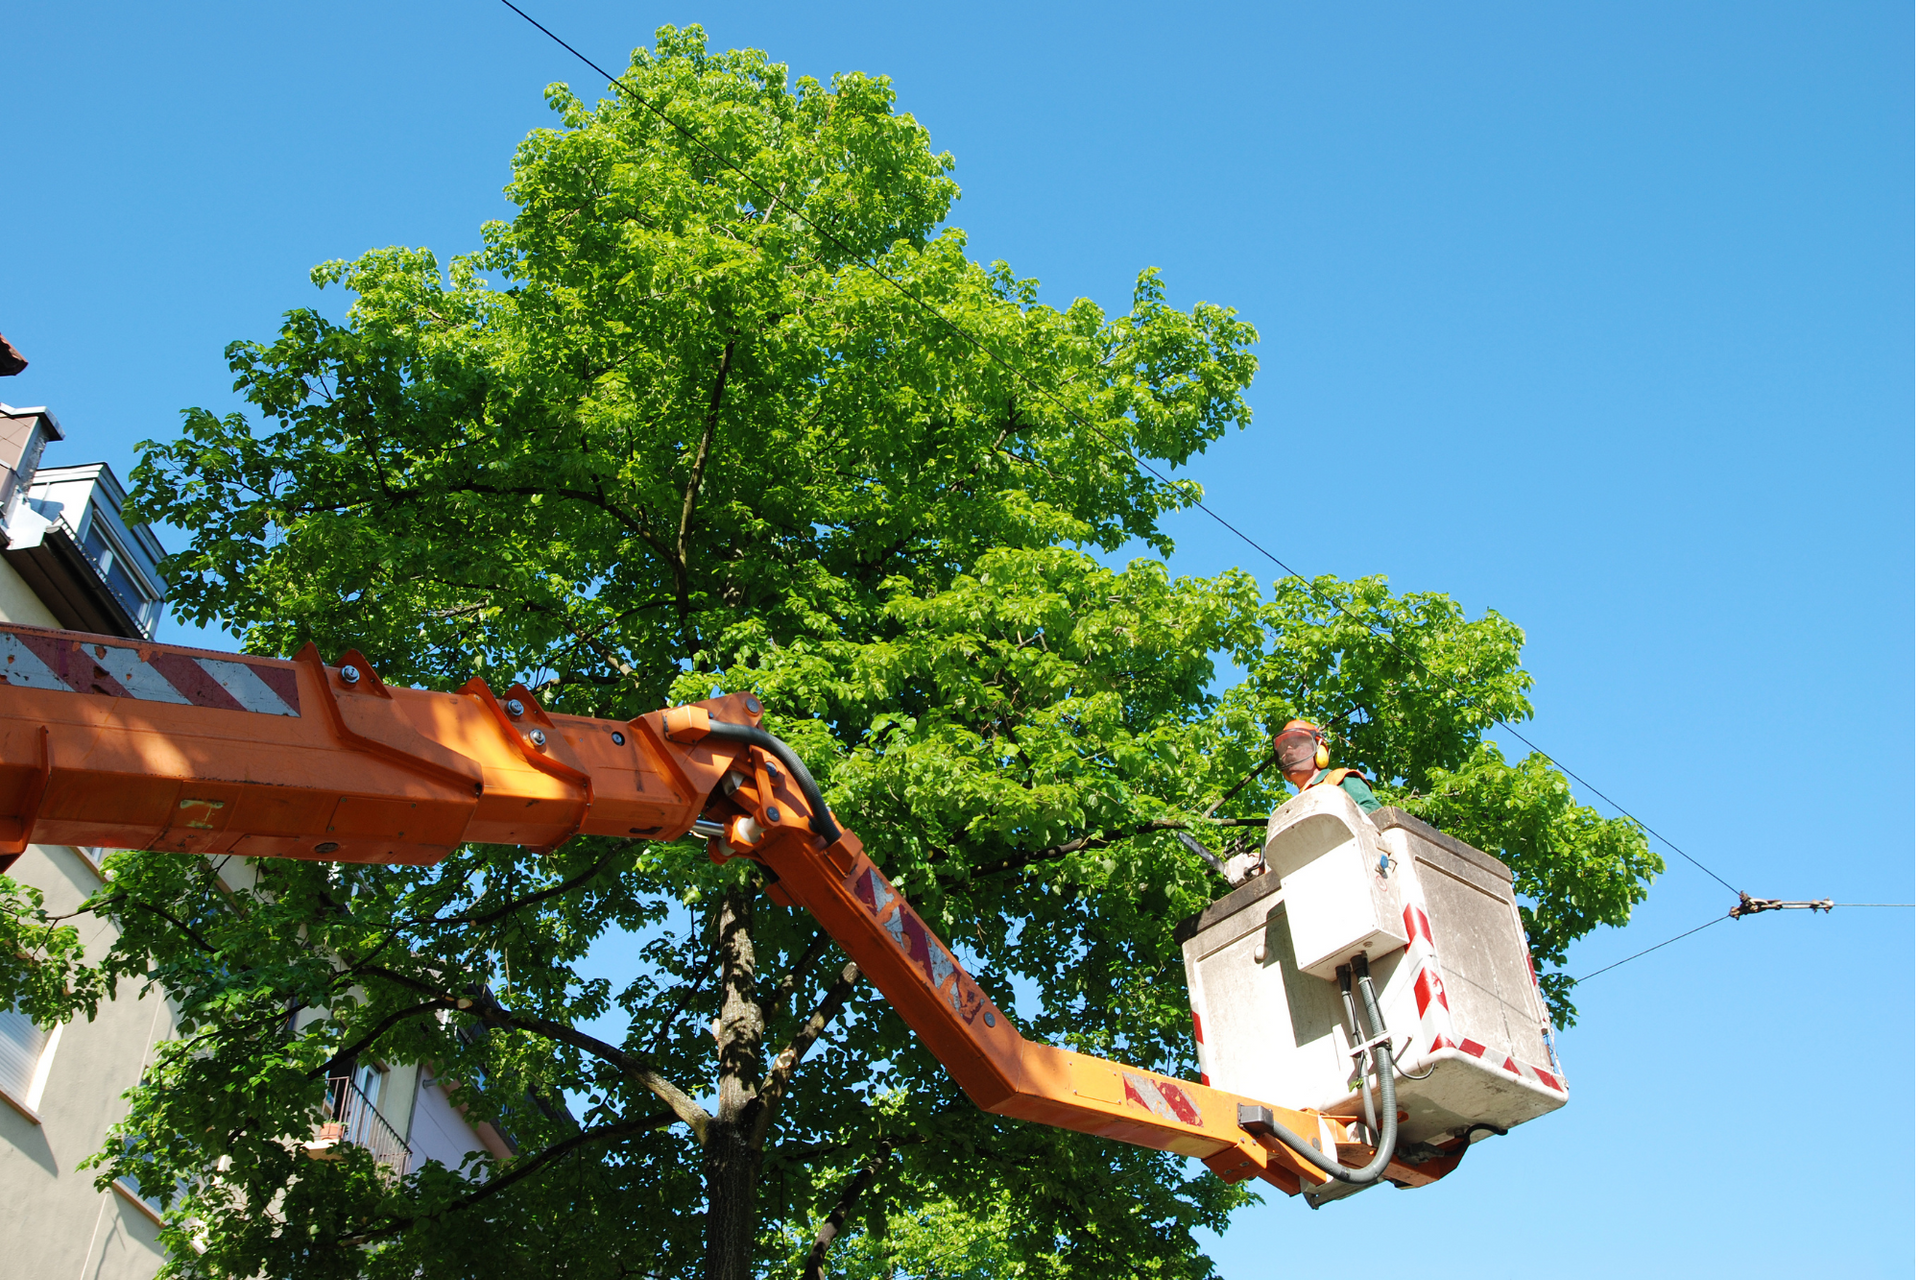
<point x="774" y="1087"/>
<point x="521" y="1169"/>
<point x="492" y="1011"/>
<point x="837" y="1216"/>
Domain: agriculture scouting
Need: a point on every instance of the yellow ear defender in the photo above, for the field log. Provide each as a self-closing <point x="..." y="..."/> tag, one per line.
<point x="1320" y="757"/>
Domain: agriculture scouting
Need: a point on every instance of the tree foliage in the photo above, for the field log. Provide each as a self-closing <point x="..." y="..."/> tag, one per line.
<point x="668" y="433"/>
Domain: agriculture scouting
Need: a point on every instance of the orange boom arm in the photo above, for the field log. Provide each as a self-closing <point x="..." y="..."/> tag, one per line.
<point x="120" y="744"/>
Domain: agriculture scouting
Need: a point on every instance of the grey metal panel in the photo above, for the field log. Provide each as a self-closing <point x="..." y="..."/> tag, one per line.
<point x="1390" y="818"/>
<point x="1489" y="983"/>
<point x="1255" y="888"/>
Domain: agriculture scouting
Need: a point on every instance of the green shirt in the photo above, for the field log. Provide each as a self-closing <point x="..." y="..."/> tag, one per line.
<point x="1356" y="786"/>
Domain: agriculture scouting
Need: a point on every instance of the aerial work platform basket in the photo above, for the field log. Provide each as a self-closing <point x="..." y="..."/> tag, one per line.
<point x="1439" y="925"/>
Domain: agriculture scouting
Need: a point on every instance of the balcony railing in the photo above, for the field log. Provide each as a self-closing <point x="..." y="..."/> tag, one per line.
<point x="353" y="1119"/>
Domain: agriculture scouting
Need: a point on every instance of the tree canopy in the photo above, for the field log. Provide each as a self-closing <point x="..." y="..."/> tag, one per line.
<point x="726" y="406"/>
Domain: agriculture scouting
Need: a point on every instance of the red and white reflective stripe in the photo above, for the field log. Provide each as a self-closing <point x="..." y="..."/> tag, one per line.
<point x="1504" y="1061"/>
<point x="1200" y="1049"/>
<point x="1164" y="1098"/>
<point x="1418" y="926"/>
<point x="1430" y="997"/>
<point x="1429" y="992"/>
<point x="150" y="673"/>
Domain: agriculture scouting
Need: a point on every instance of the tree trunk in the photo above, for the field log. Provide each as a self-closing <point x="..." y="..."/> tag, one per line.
<point x="732" y="1156"/>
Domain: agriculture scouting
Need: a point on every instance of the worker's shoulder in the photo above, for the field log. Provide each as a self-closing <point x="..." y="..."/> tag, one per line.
<point x="1355" y="785"/>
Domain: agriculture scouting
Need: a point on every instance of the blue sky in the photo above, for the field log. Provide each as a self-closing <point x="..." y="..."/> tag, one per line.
<point x="1600" y="316"/>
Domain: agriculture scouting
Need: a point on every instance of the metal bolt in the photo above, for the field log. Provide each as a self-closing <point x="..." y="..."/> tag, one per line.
<point x="350" y="674"/>
<point x="515" y="707"/>
<point x="773" y="772"/>
<point x="325" y="846"/>
<point x="753" y="704"/>
<point x="619" y="738"/>
<point x="989" y="1017"/>
<point x="773" y="813"/>
<point x="538" y="738"/>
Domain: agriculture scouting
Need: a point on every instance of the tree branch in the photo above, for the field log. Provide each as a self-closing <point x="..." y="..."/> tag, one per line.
<point x="837" y="1216"/>
<point x="592" y="498"/>
<point x="492" y="1011"/>
<point x="354" y="1050"/>
<point x="543" y="894"/>
<point x="700" y="454"/>
<point x="1095" y="840"/>
<point x="774" y="1087"/>
<point x="520" y="1169"/>
<point x="815" y="948"/>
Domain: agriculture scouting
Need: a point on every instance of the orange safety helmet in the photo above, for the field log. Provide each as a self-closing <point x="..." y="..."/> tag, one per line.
<point x="1291" y="746"/>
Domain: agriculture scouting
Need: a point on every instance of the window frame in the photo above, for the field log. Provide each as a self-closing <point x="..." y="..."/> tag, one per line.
<point x="28" y="1103"/>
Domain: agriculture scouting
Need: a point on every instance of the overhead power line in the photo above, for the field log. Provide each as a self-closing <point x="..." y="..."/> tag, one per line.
<point x="727" y="162"/>
<point x="1747" y="906"/>
<point x="1650" y="950"/>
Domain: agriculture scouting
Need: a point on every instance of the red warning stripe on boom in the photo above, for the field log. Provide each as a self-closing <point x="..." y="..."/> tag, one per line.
<point x="46" y="660"/>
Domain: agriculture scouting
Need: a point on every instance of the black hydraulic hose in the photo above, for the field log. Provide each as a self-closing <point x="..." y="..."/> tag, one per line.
<point x="821" y="821"/>
<point x="1345" y="974"/>
<point x="1390" y="1113"/>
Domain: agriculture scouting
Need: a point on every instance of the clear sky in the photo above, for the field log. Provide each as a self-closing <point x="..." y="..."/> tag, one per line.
<point x="1599" y="315"/>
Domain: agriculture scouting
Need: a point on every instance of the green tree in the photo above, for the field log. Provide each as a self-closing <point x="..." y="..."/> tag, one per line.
<point x="669" y="433"/>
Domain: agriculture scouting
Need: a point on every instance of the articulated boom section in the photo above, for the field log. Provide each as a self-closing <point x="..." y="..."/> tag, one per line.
<point x="121" y="744"/>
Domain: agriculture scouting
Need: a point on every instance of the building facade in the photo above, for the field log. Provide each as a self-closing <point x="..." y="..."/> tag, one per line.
<point x="71" y="560"/>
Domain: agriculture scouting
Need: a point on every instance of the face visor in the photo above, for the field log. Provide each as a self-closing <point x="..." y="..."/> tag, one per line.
<point x="1296" y="750"/>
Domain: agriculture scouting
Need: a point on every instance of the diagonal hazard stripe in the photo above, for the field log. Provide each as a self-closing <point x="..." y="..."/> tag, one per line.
<point x="24" y="667"/>
<point x="245" y="687"/>
<point x="139" y="679"/>
<point x="34" y="659"/>
<point x="192" y="679"/>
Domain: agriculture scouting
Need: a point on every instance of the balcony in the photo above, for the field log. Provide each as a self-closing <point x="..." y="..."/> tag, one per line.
<point x="354" y="1120"/>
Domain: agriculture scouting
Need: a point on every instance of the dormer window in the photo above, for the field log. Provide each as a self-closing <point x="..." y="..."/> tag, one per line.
<point x="66" y="537"/>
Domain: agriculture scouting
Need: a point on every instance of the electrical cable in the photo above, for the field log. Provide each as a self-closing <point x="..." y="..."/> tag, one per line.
<point x="1650" y="950"/>
<point x="1732" y="915"/>
<point x="727" y="162"/>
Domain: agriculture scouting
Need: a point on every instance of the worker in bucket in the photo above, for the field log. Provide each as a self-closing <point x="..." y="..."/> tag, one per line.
<point x="1304" y="759"/>
<point x="1302" y="749"/>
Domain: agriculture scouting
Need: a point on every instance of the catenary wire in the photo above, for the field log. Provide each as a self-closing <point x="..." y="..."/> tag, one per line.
<point x="727" y="162"/>
<point x="1655" y="947"/>
<point x="1716" y="920"/>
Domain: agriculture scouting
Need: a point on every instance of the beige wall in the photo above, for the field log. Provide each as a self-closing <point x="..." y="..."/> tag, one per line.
<point x="19" y="604"/>
<point x="52" y="1220"/>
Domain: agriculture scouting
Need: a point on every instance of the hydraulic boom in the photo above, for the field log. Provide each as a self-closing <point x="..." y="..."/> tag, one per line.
<point x="122" y="744"/>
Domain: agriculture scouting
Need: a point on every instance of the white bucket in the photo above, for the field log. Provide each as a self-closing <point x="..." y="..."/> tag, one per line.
<point x="1441" y="930"/>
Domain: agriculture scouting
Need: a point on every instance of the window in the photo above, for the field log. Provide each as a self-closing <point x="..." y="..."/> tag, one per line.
<point x="100" y="546"/>
<point x="104" y="549"/>
<point x="26" y="1055"/>
<point x="370" y="1079"/>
